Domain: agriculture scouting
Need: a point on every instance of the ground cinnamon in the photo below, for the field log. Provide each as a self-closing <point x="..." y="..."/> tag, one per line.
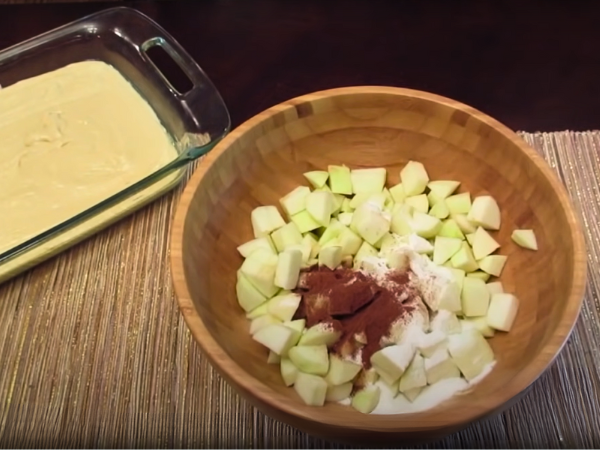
<point x="362" y="306"/>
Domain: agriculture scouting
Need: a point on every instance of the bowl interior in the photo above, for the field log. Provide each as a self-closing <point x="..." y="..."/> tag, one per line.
<point x="376" y="127"/>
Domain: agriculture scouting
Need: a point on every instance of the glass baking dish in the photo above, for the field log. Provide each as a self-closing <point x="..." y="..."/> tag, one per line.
<point x="195" y="120"/>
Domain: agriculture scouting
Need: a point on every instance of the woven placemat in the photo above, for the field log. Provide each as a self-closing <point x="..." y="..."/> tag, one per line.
<point x="94" y="352"/>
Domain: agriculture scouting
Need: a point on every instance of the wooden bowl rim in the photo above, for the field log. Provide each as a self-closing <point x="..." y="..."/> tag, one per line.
<point x="254" y="388"/>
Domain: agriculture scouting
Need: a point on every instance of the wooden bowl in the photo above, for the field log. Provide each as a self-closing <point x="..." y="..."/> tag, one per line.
<point x="265" y="157"/>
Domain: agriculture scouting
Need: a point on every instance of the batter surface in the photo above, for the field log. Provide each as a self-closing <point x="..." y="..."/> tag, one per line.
<point x="68" y="140"/>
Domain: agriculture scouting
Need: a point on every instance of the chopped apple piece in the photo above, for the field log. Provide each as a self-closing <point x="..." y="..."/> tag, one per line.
<point x="330" y="256"/>
<point x="377" y="200"/>
<point x="445" y="322"/>
<point x="370" y="223"/>
<point x="265" y="219"/>
<point x="320" y="334"/>
<point x="260" y="310"/>
<point x="349" y="242"/>
<point x="425" y="225"/>
<point x="443" y="188"/>
<point x="289" y="371"/>
<point x="434" y="199"/>
<point x="458" y="275"/>
<point x="337" y="393"/>
<point x="414" y="178"/>
<point x="389" y="200"/>
<point x="440" y="210"/>
<point x="493" y="264"/>
<point x="485" y="213"/>
<point x="345" y="218"/>
<point x="463" y="223"/>
<point x="397" y="193"/>
<point x="401" y="220"/>
<point x="288" y="269"/>
<point x="367" y="399"/>
<point x="451" y="229"/>
<point x="464" y="259"/>
<point x="248" y="296"/>
<point x="398" y="260"/>
<point x="297" y="325"/>
<point x="260" y="269"/>
<point x="495" y="287"/>
<point x="313" y="359"/>
<point x="470" y="237"/>
<point x="346" y="205"/>
<point x="479" y="274"/>
<point x="391" y="362"/>
<point x="502" y="311"/>
<point x="431" y="342"/>
<point x="341" y="371"/>
<point x="368" y="180"/>
<point x="320" y="205"/>
<point x="295" y="201"/>
<point x="475" y="297"/>
<point x="260" y="322"/>
<point x="286" y="236"/>
<point x="459" y="203"/>
<point x="418" y="202"/>
<point x="414" y="376"/>
<point x="359" y="199"/>
<point x="412" y="394"/>
<point x="332" y="231"/>
<point x="311" y="389"/>
<point x="277" y="337"/>
<point x="525" y="239"/>
<point x="338" y="200"/>
<point x="262" y="242"/>
<point x="445" y="248"/>
<point x="273" y="358"/>
<point x="318" y="178"/>
<point x="284" y="306"/>
<point x="305" y="222"/>
<point x="478" y="323"/>
<point x="470" y="352"/>
<point x="339" y="180"/>
<point x="366" y="250"/>
<point x="483" y="244"/>
<point x="440" y="367"/>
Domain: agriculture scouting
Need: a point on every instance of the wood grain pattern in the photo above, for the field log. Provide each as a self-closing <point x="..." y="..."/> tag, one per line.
<point x="95" y="353"/>
<point x="265" y="157"/>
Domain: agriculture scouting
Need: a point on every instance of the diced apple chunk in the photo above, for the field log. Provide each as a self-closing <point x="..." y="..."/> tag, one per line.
<point x="311" y="389"/>
<point x="483" y="244"/>
<point x="305" y="222"/>
<point x="525" y="239"/>
<point x="470" y="352"/>
<point x="464" y="259"/>
<point x="443" y="188"/>
<point x="414" y="376"/>
<point x="289" y="371"/>
<point x="431" y="342"/>
<point x="320" y="334"/>
<point x="330" y="256"/>
<point x="370" y="223"/>
<point x="445" y="248"/>
<point x="320" y="205"/>
<point x="479" y="274"/>
<point x="463" y="223"/>
<point x="459" y="203"/>
<point x="341" y="371"/>
<point x="367" y="399"/>
<point x="260" y="310"/>
<point x="295" y="201"/>
<point x="366" y="250"/>
<point x="317" y="178"/>
<point x="248" y="296"/>
<point x="445" y="322"/>
<point x="475" y="297"/>
<point x="331" y="232"/>
<point x="260" y="322"/>
<point x="440" y="366"/>
<point x="265" y="219"/>
<point x="297" y="325"/>
<point x="495" y="287"/>
<point x="425" y="225"/>
<point x="349" y="242"/>
<point x="401" y="220"/>
<point x="502" y="311"/>
<point x="337" y="393"/>
<point x="339" y="180"/>
<point x="284" y="306"/>
<point x="397" y="193"/>
<point x="493" y="264"/>
<point x="277" y="338"/>
<point x="470" y="237"/>
<point x="414" y="178"/>
<point x="288" y="269"/>
<point x="345" y="218"/>
<point x="260" y="269"/>
<point x="286" y="236"/>
<point x="368" y="180"/>
<point x="450" y="229"/>
<point x="479" y="323"/>
<point x="313" y="359"/>
<point x="418" y="202"/>
<point x="263" y="242"/>
<point x="391" y="362"/>
<point x="412" y="395"/>
<point x="440" y="210"/>
<point x="485" y="213"/>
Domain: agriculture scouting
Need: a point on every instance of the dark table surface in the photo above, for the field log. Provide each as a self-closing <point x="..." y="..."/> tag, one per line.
<point x="533" y="65"/>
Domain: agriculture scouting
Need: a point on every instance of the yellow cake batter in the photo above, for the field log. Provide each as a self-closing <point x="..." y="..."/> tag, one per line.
<point x="68" y="140"/>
